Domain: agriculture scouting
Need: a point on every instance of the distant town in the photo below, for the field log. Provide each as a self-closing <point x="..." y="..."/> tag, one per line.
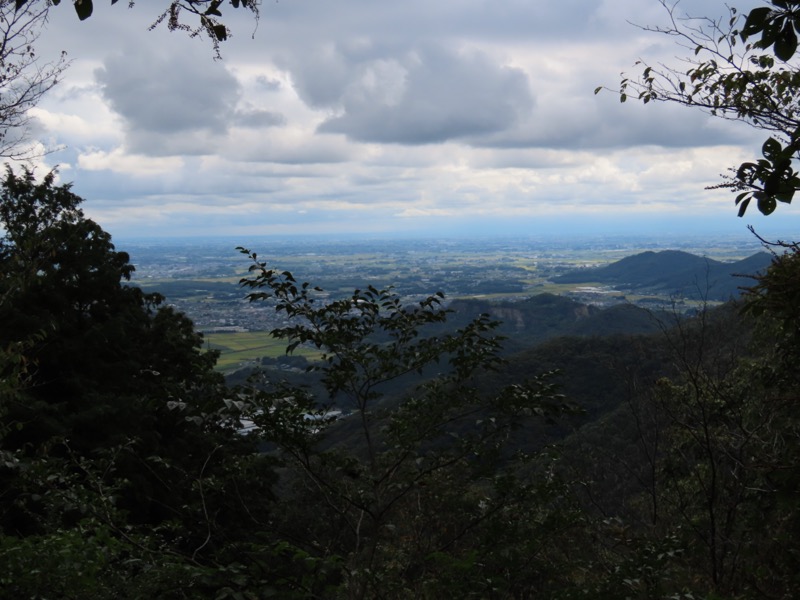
<point x="200" y="276"/>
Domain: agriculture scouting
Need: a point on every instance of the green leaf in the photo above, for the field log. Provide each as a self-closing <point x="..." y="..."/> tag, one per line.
<point x="623" y="97"/>
<point x="756" y="21"/>
<point x="769" y="35"/>
<point x="598" y="89"/>
<point x="743" y="207"/>
<point x="766" y="204"/>
<point x="786" y="43"/>
<point x="220" y="32"/>
<point x="771" y="149"/>
<point x="84" y="9"/>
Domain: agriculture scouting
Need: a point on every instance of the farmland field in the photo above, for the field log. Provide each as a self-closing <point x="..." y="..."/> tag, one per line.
<point x="241" y="348"/>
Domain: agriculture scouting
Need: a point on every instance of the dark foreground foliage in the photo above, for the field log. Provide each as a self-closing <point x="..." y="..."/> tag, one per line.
<point x="670" y="471"/>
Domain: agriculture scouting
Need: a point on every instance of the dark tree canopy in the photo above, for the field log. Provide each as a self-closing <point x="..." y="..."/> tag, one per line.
<point x="104" y="363"/>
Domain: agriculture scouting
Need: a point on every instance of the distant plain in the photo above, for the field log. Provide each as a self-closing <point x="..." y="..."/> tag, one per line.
<point x="200" y="276"/>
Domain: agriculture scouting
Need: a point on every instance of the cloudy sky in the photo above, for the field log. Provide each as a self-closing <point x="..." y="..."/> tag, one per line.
<point x="363" y="116"/>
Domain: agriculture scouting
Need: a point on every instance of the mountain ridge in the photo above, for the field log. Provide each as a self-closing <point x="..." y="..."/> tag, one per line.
<point x="674" y="272"/>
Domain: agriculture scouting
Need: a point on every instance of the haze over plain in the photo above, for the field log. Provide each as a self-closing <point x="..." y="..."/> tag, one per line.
<point x="460" y="117"/>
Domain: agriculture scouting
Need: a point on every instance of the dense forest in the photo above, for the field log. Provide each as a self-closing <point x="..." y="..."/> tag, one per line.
<point x="423" y="462"/>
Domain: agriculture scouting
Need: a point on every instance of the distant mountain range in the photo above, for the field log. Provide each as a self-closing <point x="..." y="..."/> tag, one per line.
<point x="674" y="273"/>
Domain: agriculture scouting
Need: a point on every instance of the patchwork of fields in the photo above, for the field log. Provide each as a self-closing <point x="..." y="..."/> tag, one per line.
<point x="200" y="277"/>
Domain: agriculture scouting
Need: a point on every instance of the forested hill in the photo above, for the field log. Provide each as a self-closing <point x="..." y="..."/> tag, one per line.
<point x="545" y="316"/>
<point x="673" y="272"/>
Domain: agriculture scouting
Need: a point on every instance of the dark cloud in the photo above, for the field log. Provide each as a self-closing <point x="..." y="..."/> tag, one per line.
<point x="509" y="21"/>
<point x="596" y="124"/>
<point x="257" y="118"/>
<point x="269" y="84"/>
<point x="427" y="94"/>
<point x="320" y="75"/>
<point x="168" y="94"/>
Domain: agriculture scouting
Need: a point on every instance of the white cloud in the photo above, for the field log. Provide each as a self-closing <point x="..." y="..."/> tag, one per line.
<point x="130" y="164"/>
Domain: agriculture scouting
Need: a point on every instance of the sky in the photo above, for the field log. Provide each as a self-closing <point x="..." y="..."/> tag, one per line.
<point x="345" y="117"/>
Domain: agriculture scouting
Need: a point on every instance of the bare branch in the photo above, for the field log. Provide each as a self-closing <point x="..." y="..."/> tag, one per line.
<point x="23" y="78"/>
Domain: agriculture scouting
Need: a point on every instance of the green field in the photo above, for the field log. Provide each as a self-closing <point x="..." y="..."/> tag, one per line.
<point x="562" y="288"/>
<point x="237" y="349"/>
